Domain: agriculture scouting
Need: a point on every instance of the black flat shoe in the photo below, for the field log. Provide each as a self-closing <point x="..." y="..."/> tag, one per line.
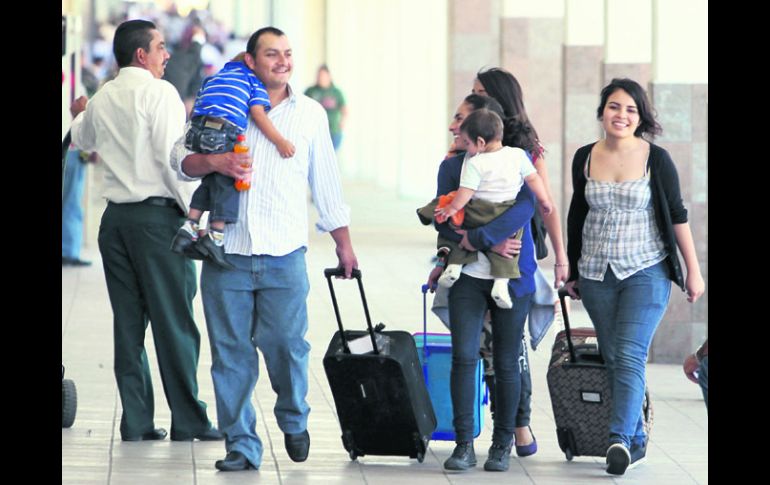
<point x="74" y="262"/>
<point x="233" y="462"/>
<point x="154" y="435"/>
<point x="211" y="434"/>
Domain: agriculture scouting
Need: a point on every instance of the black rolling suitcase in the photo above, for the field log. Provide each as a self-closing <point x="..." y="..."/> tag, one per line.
<point x="580" y="391"/>
<point x="382" y="402"/>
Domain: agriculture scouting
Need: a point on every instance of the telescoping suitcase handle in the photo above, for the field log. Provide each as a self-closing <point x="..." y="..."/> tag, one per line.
<point x="562" y="296"/>
<point x="356" y="273"/>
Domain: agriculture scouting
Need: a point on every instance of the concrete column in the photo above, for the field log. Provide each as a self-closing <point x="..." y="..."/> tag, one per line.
<point x="474" y="32"/>
<point x="628" y="40"/>
<point x="583" y="81"/>
<point x="531" y="40"/>
<point x="679" y="93"/>
<point x="391" y="66"/>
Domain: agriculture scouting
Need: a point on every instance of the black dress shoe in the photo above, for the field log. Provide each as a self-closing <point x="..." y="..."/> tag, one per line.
<point x="154" y="435"/>
<point x="214" y="253"/>
<point x="74" y="262"/>
<point x="182" y="241"/>
<point x="211" y="434"/>
<point x="233" y="462"/>
<point x="297" y="445"/>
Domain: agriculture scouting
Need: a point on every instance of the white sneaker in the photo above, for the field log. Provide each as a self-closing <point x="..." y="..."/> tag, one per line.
<point x="500" y="293"/>
<point x="450" y="275"/>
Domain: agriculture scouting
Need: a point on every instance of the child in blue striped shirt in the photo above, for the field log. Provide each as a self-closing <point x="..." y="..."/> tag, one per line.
<point x="220" y="114"/>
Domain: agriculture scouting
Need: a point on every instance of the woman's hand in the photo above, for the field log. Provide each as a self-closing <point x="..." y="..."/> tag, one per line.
<point x="508" y="248"/>
<point x="690" y="366"/>
<point x="695" y="286"/>
<point x="560" y="274"/>
<point x="572" y="289"/>
<point x="433" y="278"/>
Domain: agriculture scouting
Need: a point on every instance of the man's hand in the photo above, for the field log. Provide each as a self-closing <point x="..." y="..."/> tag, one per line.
<point x="690" y="365"/>
<point x="78" y="106"/>
<point x="345" y="255"/>
<point x="235" y="165"/>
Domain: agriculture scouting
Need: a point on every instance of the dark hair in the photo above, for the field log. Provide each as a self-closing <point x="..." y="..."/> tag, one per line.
<point x="130" y="36"/>
<point x="647" y="123"/>
<point x="251" y="45"/>
<point x="479" y="101"/>
<point x="483" y="123"/>
<point x="518" y="130"/>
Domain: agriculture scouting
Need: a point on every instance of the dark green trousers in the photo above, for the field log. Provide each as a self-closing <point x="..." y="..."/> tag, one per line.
<point x="149" y="283"/>
<point x="478" y="212"/>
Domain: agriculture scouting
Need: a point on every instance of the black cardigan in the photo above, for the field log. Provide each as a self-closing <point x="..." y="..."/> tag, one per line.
<point x="666" y="202"/>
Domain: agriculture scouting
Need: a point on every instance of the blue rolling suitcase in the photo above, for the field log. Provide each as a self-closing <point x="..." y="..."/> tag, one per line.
<point x="435" y="352"/>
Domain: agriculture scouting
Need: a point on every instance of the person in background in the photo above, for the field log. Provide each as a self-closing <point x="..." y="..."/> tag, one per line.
<point x="185" y="68"/>
<point x="625" y="223"/>
<point x="696" y="368"/>
<point x="132" y="122"/>
<point x="325" y="92"/>
<point x="72" y="207"/>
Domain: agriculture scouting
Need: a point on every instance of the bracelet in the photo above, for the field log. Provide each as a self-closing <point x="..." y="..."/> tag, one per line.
<point x="564" y="265"/>
<point x="440" y="264"/>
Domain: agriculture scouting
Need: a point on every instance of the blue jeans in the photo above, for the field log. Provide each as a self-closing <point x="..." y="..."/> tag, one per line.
<point x="258" y="305"/>
<point x="703" y="379"/>
<point x="71" y="206"/>
<point x="625" y="314"/>
<point x="469" y="299"/>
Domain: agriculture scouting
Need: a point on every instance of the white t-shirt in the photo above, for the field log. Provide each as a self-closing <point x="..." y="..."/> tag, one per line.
<point x="496" y="176"/>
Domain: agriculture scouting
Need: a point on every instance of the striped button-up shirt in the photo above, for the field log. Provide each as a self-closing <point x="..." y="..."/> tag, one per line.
<point x="272" y="215"/>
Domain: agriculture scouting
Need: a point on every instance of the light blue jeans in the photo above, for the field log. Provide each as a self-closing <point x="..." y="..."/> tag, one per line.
<point x="626" y="314"/>
<point x="261" y="304"/>
<point x="71" y="206"/>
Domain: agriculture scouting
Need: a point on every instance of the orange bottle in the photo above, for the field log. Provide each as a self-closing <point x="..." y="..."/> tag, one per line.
<point x="241" y="147"/>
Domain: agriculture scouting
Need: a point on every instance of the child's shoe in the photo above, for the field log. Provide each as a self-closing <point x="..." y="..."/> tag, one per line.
<point x="450" y="275"/>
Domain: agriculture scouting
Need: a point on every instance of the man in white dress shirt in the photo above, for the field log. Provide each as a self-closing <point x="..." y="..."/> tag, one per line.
<point x="132" y="122"/>
<point x="261" y="303"/>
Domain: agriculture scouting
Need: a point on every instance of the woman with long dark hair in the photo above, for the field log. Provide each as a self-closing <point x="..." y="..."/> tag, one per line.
<point x="625" y="223"/>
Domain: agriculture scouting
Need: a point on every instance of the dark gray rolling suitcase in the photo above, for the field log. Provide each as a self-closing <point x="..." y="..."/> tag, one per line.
<point x="381" y="399"/>
<point x="580" y="391"/>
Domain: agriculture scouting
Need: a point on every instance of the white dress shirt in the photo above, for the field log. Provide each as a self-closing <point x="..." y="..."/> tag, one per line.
<point x="132" y="122"/>
<point x="272" y="215"/>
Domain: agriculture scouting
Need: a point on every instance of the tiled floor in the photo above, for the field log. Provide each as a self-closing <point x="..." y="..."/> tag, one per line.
<point x="393" y="251"/>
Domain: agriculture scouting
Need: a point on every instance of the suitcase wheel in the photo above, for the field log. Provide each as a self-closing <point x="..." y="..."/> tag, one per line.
<point x="420" y="457"/>
<point x="69" y="402"/>
<point x="353" y="455"/>
<point x="568" y="454"/>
